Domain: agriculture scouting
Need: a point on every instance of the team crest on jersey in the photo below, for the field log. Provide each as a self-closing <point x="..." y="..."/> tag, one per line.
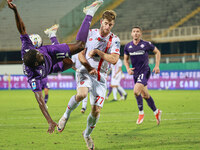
<point x="130" y="46"/>
<point x="142" y="45"/>
<point x="81" y="82"/>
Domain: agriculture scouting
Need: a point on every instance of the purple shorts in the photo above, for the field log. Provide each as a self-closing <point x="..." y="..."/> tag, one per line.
<point x="143" y="77"/>
<point x="44" y="83"/>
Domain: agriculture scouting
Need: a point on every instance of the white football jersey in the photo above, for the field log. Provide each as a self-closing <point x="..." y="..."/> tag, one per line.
<point x="109" y="44"/>
<point x="76" y="61"/>
<point x="116" y="67"/>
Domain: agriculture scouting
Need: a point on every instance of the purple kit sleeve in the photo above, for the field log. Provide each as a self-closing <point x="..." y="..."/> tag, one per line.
<point x="126" y="50"/>
<point x="151" y="46"/>
<point x="26" y="44"/>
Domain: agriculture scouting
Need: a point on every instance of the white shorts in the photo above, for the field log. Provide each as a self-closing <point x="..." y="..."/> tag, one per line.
<point x="96" y="88"/>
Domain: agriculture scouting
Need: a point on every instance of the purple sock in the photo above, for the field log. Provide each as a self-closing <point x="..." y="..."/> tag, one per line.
<point x="151" y="104"/>
<point x="54" y="40"/>
<point x="119" y="92"/>
<point x="109" y="91"/>
<point x="46" y="98"/>
<point x="139" y="102"/>
<point x="84" y="29"/>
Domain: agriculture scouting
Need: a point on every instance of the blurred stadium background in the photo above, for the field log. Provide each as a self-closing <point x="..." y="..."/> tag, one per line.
<point x="173" y="26"/>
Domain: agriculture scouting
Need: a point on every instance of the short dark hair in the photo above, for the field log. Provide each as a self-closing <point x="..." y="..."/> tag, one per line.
<point x="138" y="27"/>
<point x="109" y="15"/>
<point x="30" y="58"/>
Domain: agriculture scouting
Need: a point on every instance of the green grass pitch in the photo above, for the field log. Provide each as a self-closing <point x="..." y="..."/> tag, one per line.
<point x="23" y="127"/>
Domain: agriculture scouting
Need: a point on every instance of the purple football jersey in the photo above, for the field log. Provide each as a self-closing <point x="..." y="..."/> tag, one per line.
<point x="53" y="56"/>
<point x="44" y="83"/>
<point x="139" y="55"/>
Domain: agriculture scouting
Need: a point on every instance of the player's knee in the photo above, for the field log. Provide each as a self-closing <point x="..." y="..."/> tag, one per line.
<point x="96" y="113"/>
<point x="81" y="96"/>
<point x="136" y="93"/>
<point x="145" y="96"/>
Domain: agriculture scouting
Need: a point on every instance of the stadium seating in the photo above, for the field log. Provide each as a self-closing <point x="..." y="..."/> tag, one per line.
<point x="37" y="16"/>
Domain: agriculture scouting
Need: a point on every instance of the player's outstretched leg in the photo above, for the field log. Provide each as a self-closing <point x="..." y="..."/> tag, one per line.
<point x="63" y="120"/>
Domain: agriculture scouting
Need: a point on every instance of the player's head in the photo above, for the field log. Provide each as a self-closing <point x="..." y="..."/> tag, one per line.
<point x="107" y="21"/>
<point x="33" y="58"/>
<point x="136" y="32"/>
<point x="36" y="40"/>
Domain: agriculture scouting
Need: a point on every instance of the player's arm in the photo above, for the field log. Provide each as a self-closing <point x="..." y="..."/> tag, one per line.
<point x="40" y="100"/>
<point x="85" y="63"/>
<point x="20" y="24"/>
<point x="111" y="58"/>
<point x="157" y="56"/>
<point x="126" y="63"/>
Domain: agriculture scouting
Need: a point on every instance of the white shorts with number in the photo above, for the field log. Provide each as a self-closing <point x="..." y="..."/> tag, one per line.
<point x="96" y="88"/>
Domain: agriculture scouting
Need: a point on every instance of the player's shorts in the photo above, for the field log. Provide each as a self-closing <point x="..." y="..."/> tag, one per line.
<point x="143" y="77"/>
<point x="96" y="88"/>
<point x="116" y="81"/>
<point x="44" y="83"/>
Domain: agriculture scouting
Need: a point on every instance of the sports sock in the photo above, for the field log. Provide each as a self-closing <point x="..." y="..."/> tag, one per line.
<point x="109" y="91"/>
<point x="91" y="122"/>
<point x="71" y="106"/>
<point x="54" y="40"/>
<point x="115" y="93"/>
<point x="46" y="98"/>
<point x="84" y="102"/>
<point x="139" y="102"/>
<point x="122" y="90"/>
<point x="84" y="29"/>
<point x="151" y="103"/>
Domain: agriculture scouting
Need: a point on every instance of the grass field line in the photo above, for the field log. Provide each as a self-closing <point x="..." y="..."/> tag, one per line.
<point x="83" y="122"/>
<point x="56" y="116"/>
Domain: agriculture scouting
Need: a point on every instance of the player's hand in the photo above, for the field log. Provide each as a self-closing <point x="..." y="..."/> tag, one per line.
<point x="156" y="70"/>
<point x="130" y="71"/>
<point x="92" y="71"/>
<point x="11" y="5"/>
<point x="52" y="126"/>
<point x="92" y="53"/>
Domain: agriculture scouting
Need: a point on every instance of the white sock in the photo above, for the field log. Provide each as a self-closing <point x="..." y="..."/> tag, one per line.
<point x="91" y="122"/>
<point x="52" y="34"/>
<point x="84" y="102"/>
<point x="155" y="112"/>
<point x="141" y="112"/>
<point x="71" y="106"/>
<point x="115" y="93"/>
<point x="122" y="90"/>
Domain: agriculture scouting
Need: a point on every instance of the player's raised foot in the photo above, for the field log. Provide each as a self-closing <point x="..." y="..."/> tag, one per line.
<point x="83" y="110"/>
<point x="52" y="30"/>
<point x="61" y="124"/>
<point x="91" y="9"/>
<point x="158" y="116"/>
<point x="125" y="96"/>
<point x="140" y="119"/>
<point x="89" y="142"/>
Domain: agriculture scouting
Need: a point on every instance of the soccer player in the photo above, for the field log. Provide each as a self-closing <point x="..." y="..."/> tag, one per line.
<point x="137" y="50"/>
<point x="115" y="80"/>
<point x="76" y="66"/>
<point x="50" y="58"/>
<point x="102" y="47"/>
